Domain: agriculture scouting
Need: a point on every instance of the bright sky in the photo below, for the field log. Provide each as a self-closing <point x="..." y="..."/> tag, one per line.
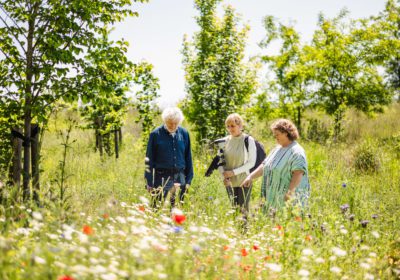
<point x="157" y="34"/>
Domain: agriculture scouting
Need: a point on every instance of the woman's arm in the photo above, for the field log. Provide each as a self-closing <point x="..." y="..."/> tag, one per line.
<point x="297" y="175"/>
<point x="250" y="162"/>
<point x="253" y="175"/>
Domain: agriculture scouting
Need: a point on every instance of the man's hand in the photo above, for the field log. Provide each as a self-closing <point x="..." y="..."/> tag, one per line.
<point x="149" y="189"/>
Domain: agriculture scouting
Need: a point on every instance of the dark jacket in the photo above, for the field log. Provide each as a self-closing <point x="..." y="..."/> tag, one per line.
<point x="167" y="152"/>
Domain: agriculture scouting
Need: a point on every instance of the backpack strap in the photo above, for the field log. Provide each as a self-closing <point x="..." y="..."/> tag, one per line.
<point x="246" y="142"/>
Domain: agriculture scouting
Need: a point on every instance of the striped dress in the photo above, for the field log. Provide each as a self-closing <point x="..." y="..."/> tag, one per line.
<point x="277" y="174"/>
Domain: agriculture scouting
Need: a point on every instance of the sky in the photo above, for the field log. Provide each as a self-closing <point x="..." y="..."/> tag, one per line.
<point x="156" y="35"/>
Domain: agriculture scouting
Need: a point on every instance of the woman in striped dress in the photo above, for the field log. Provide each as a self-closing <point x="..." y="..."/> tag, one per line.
<point x="285" y="173"/>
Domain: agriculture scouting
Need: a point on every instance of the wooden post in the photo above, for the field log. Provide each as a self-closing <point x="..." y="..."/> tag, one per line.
<point x="35" y="161"/>
<point x="100" y="136"/>
<point x="96" y="133"/>
<point x="16" y="168"/>
<point x="120" y="135"/>
<point x="116" y="143"/>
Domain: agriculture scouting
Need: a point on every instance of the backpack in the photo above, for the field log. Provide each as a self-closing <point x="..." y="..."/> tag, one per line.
<point x="261" y="155"/>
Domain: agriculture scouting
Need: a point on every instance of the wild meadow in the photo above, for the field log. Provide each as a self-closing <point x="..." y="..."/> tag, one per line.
<point x="103" y="227"/>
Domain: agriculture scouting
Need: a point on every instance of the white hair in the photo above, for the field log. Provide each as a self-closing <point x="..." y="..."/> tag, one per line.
<point x="172" y="113"/>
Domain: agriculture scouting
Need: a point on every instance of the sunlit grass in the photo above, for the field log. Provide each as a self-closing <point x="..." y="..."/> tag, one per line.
<point x="349" y="231"/>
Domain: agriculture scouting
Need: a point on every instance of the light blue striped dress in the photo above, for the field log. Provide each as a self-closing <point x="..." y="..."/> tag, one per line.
<point x="278" y="168"/>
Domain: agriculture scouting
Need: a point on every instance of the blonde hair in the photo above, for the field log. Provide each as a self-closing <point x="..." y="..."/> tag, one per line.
<point x="235" y="118"/>
<point x="286" y="126"/>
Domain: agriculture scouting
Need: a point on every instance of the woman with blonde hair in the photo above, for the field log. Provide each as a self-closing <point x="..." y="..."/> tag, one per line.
<point x="238" y="161"/>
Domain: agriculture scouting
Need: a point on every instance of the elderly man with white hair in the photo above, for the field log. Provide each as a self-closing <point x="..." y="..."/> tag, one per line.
<point x="169" y="158"/>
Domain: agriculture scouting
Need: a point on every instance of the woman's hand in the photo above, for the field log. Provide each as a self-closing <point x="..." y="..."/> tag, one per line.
<point x="228" y="174"/>
<point x="288" y="195"/>
<point x="247" y="182"/>
<point x="227" y="182"/>
<point x="254" y="175"/>
<point x="297" y="175"/>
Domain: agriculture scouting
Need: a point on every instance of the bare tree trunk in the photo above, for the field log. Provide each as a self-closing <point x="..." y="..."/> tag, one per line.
<point x="16" y="168"/>
<point x="116" y="143"/>
<point x="96" y="133"/>
<point x="299" y="119"/>
<point x="27" y="157"/>
<point x="101" y="144"/>
<point x="28" y="103"/>
<point x="35" y="162"/>
<point x="337" y="126"/>
<point x="120" y="135"/>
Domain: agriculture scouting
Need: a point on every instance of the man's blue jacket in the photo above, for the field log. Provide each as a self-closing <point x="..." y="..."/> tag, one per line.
<point x="165" y="151"/>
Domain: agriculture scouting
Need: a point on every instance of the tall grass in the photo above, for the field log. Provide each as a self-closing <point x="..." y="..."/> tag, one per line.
<point x="350" y="230"/>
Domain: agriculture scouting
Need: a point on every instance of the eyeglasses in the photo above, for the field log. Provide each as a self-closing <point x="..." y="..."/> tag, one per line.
<point x="231" y="126"/>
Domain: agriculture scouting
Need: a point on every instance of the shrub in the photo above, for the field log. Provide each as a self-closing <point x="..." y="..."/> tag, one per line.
<point x="317" y="131"/>
<point x="393" y="143"/>
<point x="366" y="157"/>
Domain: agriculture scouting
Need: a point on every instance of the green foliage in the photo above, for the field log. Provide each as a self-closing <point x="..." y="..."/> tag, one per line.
<point x="217" y="81"/>
<point x="146" y="96"/>
<point x="129" y="240"/>
<point x="292" y="74"/>
<point x="366" y="157"/>
<point x="382" y="41"/>
<point x="317" y="131"/>
<point x="106" y="78"/>
<point x="42" y="48"/>
<point x="343" y="76"/>
<point x="393" y="142"/>
<point x="61" y="180"/>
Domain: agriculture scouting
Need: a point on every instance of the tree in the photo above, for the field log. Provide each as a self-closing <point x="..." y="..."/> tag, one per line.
<point x="343" y="75"/>
<point x="292" y="73"/>
<point x="383" y="39"/>
<point x="217" y="80"/>
<point x="42" y="45"/>
<point x="107" y="77"/>
<point x="146" y="94"/>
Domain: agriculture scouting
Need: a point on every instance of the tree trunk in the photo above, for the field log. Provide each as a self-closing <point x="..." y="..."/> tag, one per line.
<point x="120" y="136"/>
<point x="116" y="143"/>
<point x="299" y="119"/>
<point x="97" y="134"/>
<point x="16" y="168"/>
<point x="27" y="157"/>
<point x="337" y="126"/>
<point x="35" y="162"/>
<point x="28" y="103"/>
<point x="101" y="144"/>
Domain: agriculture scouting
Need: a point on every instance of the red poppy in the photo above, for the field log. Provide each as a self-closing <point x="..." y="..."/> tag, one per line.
<point x="246" y="267"/>
<point x="255" y="247"/>
<point x="179" y="219"/>
<point x="65" y="277"/>
<point x="142" y="208"/>
<point x="279" y="227"/>
<point x="106" y="216"/>
<point x="88" y="230"/>
<point x="297" y="219"/>
<point x="267" y="258"/>
<point x="308" y="237"/>
<point x="178" y="216"/>
<point x="226" y="247"/>
<point x="244" y="252"/>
